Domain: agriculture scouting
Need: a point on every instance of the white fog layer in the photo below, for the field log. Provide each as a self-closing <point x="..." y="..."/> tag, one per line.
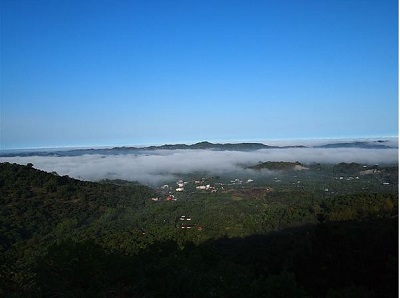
<point x="159" y="165"/>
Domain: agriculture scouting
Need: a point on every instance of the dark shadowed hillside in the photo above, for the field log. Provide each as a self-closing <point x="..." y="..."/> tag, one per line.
<point x="277" y="166"/>
<point x="64" y="237"/>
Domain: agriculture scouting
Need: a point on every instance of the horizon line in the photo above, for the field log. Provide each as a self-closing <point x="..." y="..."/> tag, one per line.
<point x="109" y="146"/>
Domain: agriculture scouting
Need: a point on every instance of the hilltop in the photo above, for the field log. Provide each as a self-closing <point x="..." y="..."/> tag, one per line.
<point x="278" y="165"/>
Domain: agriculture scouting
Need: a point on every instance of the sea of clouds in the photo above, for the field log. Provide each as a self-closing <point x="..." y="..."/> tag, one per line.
<point x="153" y="167"/>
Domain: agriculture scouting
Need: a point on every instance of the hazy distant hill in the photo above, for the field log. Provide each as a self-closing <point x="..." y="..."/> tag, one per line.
<point x="365" y="145"/>
<point x="208" y="145"/>
<point x="380" y="144"/>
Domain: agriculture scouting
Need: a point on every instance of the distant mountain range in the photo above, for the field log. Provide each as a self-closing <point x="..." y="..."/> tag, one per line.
<point x="256" y="146"/>
<point x="380" y="144"/>
<point x="210" y="146"/>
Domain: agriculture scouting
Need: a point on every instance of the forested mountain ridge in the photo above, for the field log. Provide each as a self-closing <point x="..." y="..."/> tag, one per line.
<point x="205" y="145"/>
<point x="123" y="149"/>
<point x="278" y="165"/>
<point x="34" y="201"/>
<point x="216" y="146"/>
<point x="65" y="237"/>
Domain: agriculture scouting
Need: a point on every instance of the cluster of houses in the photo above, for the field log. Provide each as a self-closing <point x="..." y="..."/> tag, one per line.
<point x="181" y="185"/>
<point x="185" y="222"/>
<point x="168" y="198"/>
<point x="239" y="181"/>
<point x="199" y="185"/>
<point x="205" y="187"/>
<point x="348" y="178"/>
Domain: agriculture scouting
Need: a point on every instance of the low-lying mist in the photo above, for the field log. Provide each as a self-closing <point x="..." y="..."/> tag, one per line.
<point x="160" y="165"/>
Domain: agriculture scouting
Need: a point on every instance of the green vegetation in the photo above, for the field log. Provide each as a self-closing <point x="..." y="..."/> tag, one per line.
<point x="277" y="165"/>
<point x="325" y="236"/>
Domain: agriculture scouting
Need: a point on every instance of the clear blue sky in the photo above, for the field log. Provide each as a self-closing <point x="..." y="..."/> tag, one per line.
<point x="120" y="72"/>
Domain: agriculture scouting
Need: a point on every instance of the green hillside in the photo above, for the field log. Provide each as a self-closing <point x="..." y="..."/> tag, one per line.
<point x="61" y="237"/>
<point x="276" y="165"/>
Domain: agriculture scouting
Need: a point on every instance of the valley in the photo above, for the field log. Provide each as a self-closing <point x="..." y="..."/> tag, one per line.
<point x="306" y="229"/>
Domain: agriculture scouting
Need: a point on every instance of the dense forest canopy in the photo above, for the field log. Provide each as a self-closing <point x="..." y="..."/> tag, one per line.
<point x="278" y="236"/>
